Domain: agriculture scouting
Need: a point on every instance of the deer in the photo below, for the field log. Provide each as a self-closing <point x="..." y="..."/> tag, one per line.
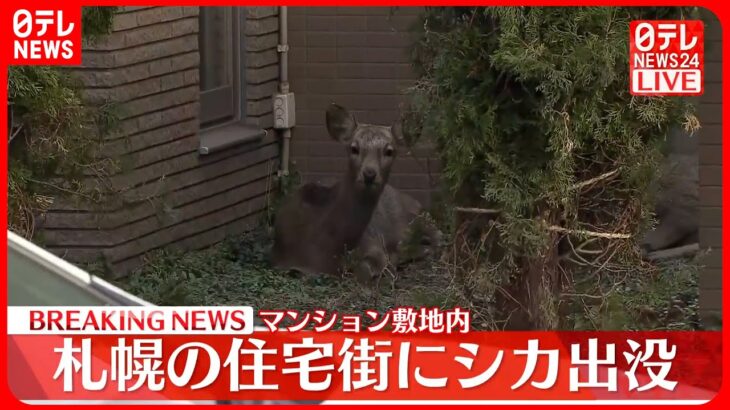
<point x="360" y="215"/>
<point x="677" y="196"/>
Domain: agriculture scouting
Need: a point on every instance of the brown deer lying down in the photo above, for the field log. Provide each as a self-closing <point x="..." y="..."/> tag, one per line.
<point x="318" y="225"/>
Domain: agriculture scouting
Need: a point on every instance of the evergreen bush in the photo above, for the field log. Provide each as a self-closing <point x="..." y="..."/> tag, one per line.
<point x="55" y="136"/>
<point x="548" y="158"/>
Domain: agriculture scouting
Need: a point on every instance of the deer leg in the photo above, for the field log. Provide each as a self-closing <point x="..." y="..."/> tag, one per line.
<point x="433" y="238"/>
<point x="370" y="268"/>
<point x="667" y="234"/>
<point x="392" y="262"/>
<point x="371" y="264"/>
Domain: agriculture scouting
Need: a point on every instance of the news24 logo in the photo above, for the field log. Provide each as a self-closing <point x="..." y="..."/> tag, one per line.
<point x="45" y="35"/>
<point x="666" y="57"/>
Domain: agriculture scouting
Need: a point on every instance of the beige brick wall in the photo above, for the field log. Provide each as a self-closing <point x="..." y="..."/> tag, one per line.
<point x="710" y="170"/>
<point x="262" y="63"/>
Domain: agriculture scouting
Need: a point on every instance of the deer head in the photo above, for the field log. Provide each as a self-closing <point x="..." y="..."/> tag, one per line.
<point x="371" y="149"/>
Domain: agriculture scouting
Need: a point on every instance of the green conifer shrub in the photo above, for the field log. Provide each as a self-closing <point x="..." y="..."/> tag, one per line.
<point x="548" y="158"/>
<point x="55" y="135"/>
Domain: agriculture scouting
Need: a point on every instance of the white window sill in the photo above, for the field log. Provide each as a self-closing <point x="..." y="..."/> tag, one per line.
<point x="227" y="136"/>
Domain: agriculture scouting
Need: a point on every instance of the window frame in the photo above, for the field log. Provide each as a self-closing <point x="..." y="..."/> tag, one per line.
<point x="214" y="112"/>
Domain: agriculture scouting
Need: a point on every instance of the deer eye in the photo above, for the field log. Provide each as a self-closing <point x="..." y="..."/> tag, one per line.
<point x="354" y="149"/>
<point x="389" y="151"/>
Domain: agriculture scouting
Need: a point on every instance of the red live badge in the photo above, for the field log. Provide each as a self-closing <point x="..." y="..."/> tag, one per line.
<point x="44" y="35"/>
<point x="666" y="57"/>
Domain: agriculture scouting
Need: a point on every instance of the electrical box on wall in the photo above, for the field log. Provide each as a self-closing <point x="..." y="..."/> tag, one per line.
<point x="284" y="111"/>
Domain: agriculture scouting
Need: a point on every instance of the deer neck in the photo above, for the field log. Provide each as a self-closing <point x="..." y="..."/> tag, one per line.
<point x="352" y="211"/>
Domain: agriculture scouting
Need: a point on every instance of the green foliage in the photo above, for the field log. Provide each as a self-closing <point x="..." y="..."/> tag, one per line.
<point x="666" y="300"/>
<point x="55" y="136"/>
<point x="96" y="22"/>
<point x="286" y="185"/>
<point x="237" y="272"/>
<point x="516" y="96"/>
<point x="527" y="105"/>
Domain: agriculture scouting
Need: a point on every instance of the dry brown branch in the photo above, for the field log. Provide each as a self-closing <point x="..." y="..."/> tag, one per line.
<point x="606" y="235"/>
<point x="15" y="134"/>
<point x="581" y="295"/>
<point x="58" y="188"/>
<point x="477" y="210"/>
<point x="591" y="181"/>
<point x="583" y="261"/>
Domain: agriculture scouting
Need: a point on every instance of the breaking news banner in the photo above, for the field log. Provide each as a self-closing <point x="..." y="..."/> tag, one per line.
<point x="396" y="204"/>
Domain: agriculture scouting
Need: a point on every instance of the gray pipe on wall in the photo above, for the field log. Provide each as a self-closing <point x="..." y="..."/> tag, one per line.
<point x="284" y="50"/>
<point x="284" y="83"/>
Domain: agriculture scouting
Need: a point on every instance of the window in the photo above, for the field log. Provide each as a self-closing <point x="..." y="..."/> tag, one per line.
<point x="222" y="85"/>
<point x="222" y="100"/>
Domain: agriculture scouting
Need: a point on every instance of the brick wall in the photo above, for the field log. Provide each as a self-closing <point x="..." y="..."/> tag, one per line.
<point x="710" y="170"/>
<point x="358" y="58"/>
<point x="262" y="63"/>
<point x="171" y="196"/>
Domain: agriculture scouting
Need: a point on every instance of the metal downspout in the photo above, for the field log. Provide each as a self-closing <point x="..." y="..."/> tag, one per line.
<point x="283" y="49"/>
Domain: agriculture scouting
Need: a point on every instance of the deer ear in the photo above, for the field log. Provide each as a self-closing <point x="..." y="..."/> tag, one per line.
<point x="340" y="123"/>
<point x="397" y="130"/>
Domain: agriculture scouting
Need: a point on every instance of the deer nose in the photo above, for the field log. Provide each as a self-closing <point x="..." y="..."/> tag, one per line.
<point x="368" y="175"/>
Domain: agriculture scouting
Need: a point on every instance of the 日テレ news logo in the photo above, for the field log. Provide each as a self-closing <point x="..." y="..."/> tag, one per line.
<point x="666" y="58"/>
<point x="45" y="36"/>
